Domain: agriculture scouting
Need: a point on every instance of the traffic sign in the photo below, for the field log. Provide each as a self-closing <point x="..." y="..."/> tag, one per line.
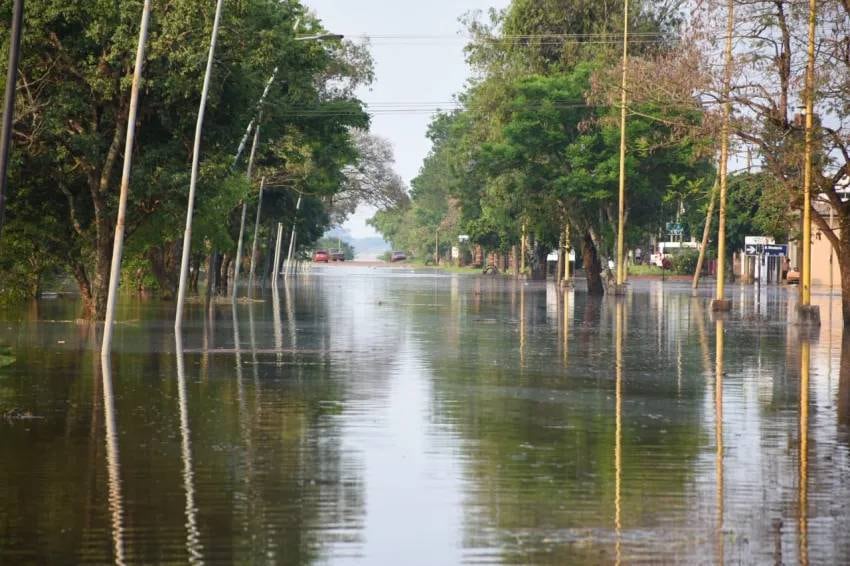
<point x="753" y="249"/>
<point x="758" y="240"/>
<point x="776" y="250"/>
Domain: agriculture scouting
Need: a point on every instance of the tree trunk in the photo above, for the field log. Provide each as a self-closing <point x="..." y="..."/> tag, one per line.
<point x="538" y="262"/>
<point x="844" y="381"/>
<point x="592" y="266"/>
<point x="212" y="272"/>
<point x="83" y="283"/>
<point x="224" y="275"/>
<point x="843" y="255"/>
<point x="163" y="262"/>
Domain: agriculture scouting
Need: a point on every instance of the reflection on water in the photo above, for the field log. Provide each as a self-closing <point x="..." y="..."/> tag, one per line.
<point x="113" y="465"/>
<point x="193" y="544"/>
<point x="393" y="416"/>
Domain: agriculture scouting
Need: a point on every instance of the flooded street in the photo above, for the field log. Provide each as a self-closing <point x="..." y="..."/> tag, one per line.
<point x="386" y="416"/>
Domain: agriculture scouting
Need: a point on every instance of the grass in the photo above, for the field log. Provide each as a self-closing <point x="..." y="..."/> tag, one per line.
<point x="648" y="270"/>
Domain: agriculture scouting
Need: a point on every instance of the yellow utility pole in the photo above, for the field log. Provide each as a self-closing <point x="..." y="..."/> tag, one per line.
<point x="621" y="220"/>
<point x="809" y="314"/>
<point x="706" y="231"/>
<point x="803" y="471"/>
<point x="720" y="302"/>
<point x="567" y="250"/>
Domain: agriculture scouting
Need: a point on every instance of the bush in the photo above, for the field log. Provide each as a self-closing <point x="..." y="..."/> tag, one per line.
<point x="685" y="263"/>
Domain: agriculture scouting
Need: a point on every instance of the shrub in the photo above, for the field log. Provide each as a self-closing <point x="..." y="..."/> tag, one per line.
<point x="685" y="263"/>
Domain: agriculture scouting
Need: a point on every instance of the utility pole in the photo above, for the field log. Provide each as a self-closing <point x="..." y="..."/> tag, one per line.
<point x="809" y="314"/>
<point x="249" y="174"/>
<point x="196" y="157"/>
<point x="292" y="239"/>
<point x="9" y="102"/>
<point x="277" y="246"/>
<point x="118" y="242"/>
<point x="567" y="252"/>
<point x="621" y="217"/>
<point x="720" y="303"/>
<point x="706" y="231"/>
<point x="256" y="232"/>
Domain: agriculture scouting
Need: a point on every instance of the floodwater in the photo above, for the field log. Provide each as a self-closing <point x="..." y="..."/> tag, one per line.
<point x="385" y="416"/>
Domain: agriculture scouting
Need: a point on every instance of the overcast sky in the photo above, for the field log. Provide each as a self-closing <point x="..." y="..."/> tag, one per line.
<point x="417" y="73"/>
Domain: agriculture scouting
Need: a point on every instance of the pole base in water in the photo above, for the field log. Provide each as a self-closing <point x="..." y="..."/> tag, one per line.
<point x="721" y="305"/>
<point x="808" y="315"/>
<point x="621" y="290"/>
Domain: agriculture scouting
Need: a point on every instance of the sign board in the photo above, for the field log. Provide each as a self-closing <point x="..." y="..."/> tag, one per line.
<point x="455" y="252"/>
<point x="758" y="240"/>
<point x="754" y="249"/>
<point x="463" y="238"/>
<point x="776" y="250"/>
<point x="675" y="229"/>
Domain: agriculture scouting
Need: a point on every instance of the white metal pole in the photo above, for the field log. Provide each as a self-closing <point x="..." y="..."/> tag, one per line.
<point x="196" y="154"/>
<point x="118" y="242"/>
<point x="256" y="232"/>
<point x="249" y="174"/>
<point x="292" y="238"/>
<point x="276" y="268"/>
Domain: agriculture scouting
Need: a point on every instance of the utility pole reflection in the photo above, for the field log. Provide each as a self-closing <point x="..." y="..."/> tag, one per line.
<point x="718" y="437"/>
<point x="618" y="427"/>
<point x="803" y="479"/>
<point x="113" y="463"/>
<point x="193" y="542"/>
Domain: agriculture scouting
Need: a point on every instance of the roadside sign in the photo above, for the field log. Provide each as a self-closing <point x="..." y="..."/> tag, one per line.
<point x="776" y="250"/>
<point x="754" y="249"/>
<point x="675" y="229"/>
<point x="758" y="240"/>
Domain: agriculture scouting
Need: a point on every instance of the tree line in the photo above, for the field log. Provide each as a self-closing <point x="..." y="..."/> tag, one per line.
<point x="533" y="147"/>
<point x="71" y="111"/>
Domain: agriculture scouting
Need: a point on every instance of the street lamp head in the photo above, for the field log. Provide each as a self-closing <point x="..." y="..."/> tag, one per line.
<point x="321" y="37"/>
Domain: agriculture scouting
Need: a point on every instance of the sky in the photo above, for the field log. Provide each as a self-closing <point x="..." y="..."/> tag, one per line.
<point x="415" y="72"/>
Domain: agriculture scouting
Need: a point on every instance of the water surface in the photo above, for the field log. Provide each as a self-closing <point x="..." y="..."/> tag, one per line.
<point x="386" y="416"/>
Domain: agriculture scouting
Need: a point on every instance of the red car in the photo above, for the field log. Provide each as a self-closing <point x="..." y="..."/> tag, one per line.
<point x="321" y="256"/>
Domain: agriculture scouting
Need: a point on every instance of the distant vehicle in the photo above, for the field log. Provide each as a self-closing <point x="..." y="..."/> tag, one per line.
<point x="398" y="256"/>
<point x="321" y="256"/>
<point x="337" y="255"/>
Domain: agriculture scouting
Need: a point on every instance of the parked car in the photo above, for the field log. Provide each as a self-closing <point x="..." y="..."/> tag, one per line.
<point x="398" y="256"/>
<point x="321" y="256"/>
<point x="337" y="255"/>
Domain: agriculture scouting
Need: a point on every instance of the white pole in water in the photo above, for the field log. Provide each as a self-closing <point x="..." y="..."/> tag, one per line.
<point x="196" y="154"/>
<point x="292" y="238"/>
<point x="118" y="243"/>
<point x="249" y="174"/>
<point x="256" y="231"/>
<point x="276" y="268"/>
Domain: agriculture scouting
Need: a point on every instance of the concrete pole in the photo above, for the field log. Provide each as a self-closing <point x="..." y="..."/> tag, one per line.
<point x="196" y="155"/>
<point x="9" y="102"/>
<point x="567" y="252"/>
<point x="292" y="238"/>
<point x="276" y="266"/>
<point x="621" y="217"/>
<point x="720" y="303"/>
<point x="706" y="231"/>
<point x="118" y="242"/>
<point x="256" y="232"/>
<point x="249" y="174"/>
<point x="809" y="314"/>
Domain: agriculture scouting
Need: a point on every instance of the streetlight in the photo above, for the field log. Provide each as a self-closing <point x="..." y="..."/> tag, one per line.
<point x="187" y="235"/>
<point x="118" y="242"/>
<point x="196" y="158"/>
<point x="808" y="313"/>
<point x="720" y="302"/>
